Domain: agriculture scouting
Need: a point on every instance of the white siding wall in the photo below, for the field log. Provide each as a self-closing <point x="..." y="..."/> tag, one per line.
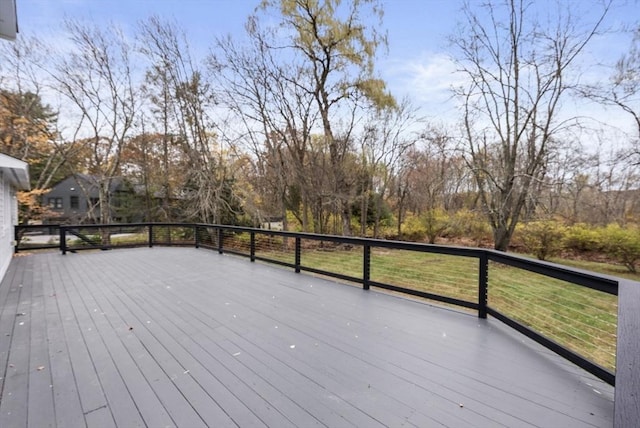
<point x="8" y="217"/>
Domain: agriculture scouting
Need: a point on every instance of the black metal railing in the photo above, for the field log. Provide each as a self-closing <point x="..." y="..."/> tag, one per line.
<point x="570" y="311"/>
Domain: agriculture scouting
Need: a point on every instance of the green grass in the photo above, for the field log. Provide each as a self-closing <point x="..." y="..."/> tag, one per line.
<point x="600" y="267"/>
<point x="579" y="318"/>
<point x="440" y="274"/>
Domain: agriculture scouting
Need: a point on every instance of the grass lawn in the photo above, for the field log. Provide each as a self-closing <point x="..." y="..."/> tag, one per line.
<point x="600" y="267"/>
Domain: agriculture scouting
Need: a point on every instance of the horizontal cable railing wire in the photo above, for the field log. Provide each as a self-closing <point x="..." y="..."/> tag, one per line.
<point x="331" y="258"/>
<point x="85" y="237"/>
<point x="578" y="318"/>
<point x="207" y="236"/>
<point x="172" y="234"/>
<point x="237" y="242"/>
<point x="36" y="237"/>
<point x="443" y="275"/>
<point x="570" y="311"/>
<point x="275" y="249"/>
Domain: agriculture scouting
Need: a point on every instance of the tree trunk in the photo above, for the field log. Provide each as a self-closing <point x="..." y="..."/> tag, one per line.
<point x="501" y="238"/>
<point x="364" y="207"/>
<point x="105" y="211"/>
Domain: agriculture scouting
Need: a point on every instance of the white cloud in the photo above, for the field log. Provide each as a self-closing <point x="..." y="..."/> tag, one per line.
<point x="427" y="78"/>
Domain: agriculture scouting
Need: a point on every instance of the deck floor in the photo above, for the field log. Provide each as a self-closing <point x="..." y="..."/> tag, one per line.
<point x="189" y="338"/>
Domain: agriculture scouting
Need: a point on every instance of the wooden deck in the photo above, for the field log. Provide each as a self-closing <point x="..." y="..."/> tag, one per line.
<point x="189" y="338"/>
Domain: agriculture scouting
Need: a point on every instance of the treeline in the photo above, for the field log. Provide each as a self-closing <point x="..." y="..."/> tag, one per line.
<point x="292" y="123"/>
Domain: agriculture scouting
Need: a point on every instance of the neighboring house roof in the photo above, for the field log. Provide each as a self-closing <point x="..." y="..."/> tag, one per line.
<point x="88" y="183"/>
<point x="16" y="171"/>
<point x="93" y="180"/>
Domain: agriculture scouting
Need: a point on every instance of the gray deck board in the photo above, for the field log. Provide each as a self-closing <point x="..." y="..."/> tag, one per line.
<point x="115" y="356"/>
<point x="16" y="377"/>
<point x="189" y="338"/>
<point x="66" y="396"/>
<point x="93" y="371"/>
<point x="40" y="379"/>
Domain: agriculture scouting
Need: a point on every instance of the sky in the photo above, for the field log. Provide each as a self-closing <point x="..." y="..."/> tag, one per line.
<point x="417" y="63"/>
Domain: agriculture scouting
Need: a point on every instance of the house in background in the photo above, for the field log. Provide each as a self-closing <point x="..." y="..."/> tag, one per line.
<point x="76" y="200"/>
<point x="14" y="175"/>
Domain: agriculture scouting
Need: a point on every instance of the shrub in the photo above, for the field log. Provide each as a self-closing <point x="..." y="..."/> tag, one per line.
<point x="436" y="221"/>
<point x="293" y="224"/>
<point x="413" y="229"/>
<point x="584" y="238"/>
<point x="470" y="224"/>
<point x="624" y="245"/>
<point x="543" y="238"/>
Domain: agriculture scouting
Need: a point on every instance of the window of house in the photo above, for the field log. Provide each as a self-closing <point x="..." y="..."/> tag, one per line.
<point x="55" y="203"/>
<point x="74" y="202"/>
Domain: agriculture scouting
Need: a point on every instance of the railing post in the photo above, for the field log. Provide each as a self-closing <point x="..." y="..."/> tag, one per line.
<point x="252" y="234"/>
<point x="150" y="235"/>
<point x="16" y="239"/>
<point x="298" y="253"/>
<point x="626" y="407"/>
<point x="483" y="282"/>
<point x="220" y="239"/>
<point x="366" y="267"/>
<point x="63" y="240"/>
<point x="196" y="236"/>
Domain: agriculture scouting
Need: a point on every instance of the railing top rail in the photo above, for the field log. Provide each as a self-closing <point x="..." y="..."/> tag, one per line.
<point x="35" y="226"/>
<point x="605" y="283"/>
<point x="114" y="225"/>
<point x="402" y="245"/>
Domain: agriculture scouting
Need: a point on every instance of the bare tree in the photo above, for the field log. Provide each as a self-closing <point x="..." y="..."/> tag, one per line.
<point x="158" y="43"/>
<point x="96" y="77"/>
<point x="338" y="52"/>
<point x="518" y="70"/>
<point x="385" y="139"/>
<point x="184" y="99"/>
<point x="265" y="95"/>
<point x="623" y="91"/>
